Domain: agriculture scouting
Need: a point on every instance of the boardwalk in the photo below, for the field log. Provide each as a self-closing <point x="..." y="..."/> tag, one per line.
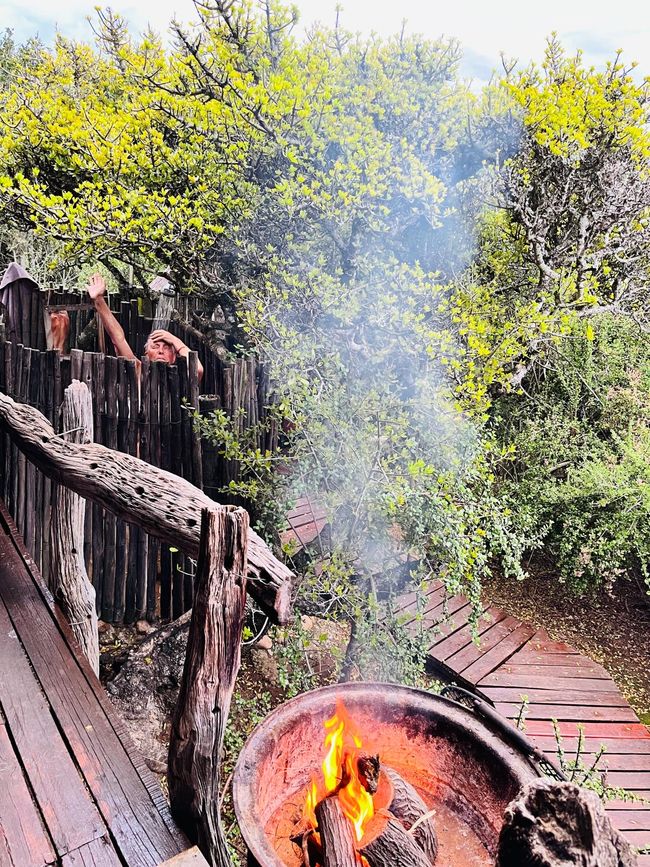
<point x="516" y="660"/>
<point x="73" y="791"/>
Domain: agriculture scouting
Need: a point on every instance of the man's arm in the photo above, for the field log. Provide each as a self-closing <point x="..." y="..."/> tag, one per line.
<point x="97" y="290"/>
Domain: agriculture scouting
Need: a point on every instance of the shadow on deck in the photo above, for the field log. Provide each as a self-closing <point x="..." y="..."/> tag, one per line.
<point x="73" y="790"/>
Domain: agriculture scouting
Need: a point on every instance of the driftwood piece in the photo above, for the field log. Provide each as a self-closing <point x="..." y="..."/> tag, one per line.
<point x="211" y="665"/>
<point x="408" y="806"/>
<point x="71" y="585"/>
<point x="162" y="504"/>
<point x="559" y="825"/>
<point x="337" y="834"/>
<point x="386" y="843"/>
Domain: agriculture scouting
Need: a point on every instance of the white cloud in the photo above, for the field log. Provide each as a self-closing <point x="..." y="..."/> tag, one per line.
<point x="484" y="29"/>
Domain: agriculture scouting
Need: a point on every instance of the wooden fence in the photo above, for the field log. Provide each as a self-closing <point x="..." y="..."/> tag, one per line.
<point x="151" y="417"/>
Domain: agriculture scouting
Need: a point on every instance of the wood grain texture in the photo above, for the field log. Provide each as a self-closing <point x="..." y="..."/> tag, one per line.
<point x="82" y="722"/>
<point x="161" y="503"/>
<point x="23" y="838"/>
<point x="71" y="586"/>
<point x="58" y="788"/>
<point x="211" y="665"/>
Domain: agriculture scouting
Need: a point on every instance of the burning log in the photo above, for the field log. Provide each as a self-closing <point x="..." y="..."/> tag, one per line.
<point x="368" y="768"/>
<point x="410" y="809"/>
<point x="387" y="843"/>
<point x="337" y="834"/>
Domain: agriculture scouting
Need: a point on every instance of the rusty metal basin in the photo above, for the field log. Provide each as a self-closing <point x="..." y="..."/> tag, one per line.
<point x="455" y="761"/>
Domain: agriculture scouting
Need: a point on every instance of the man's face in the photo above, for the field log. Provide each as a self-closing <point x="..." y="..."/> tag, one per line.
<point x="160" y="350"/>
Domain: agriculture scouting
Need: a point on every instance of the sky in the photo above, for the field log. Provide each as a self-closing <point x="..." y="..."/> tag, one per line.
<point x="485" y="29"/>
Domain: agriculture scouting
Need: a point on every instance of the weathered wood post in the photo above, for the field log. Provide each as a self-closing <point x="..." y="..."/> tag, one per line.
<point x="71" y="586"/>
<point x="211" y="665"/>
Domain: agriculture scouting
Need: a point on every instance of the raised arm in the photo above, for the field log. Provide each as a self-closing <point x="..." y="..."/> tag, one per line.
<point x="97" y="290"/>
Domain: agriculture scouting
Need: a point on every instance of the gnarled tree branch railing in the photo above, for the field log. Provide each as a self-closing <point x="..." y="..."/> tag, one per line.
<point x="161" y="503"/>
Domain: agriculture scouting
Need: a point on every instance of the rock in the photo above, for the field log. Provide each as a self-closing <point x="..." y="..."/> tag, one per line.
<point x="560" y="825"/>
<point x="146" y="688"/>
<point x="264" y="643"/>
<point x="143" y="628"/>
<point x="264" y="664"/>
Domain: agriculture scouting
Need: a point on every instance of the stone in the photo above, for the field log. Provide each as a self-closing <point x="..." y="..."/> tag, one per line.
<point x="265" y="643"/>
<point x="553" y="824"/>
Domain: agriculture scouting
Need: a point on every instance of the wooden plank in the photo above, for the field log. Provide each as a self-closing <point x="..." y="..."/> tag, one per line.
<point x="97" y="574"/>
<point x="99" y="853"/>
<point x="498" y="654"/>
<point x="633" y="781"/>
<point x="585" y="713"/>
<point x="144" y="434"/>
<point x="620" y="731"/>
<point x="580" y="669"/>
<point x="564" y="696"/>
<point x="529" y="656"/>
<point x="435" y="613"/>
<point x="193" y="381"/>
<point x="110" y="521"/>
<point x="134" y="809"/>
<point x="628" y="748"/>
<point x="636" y="819"/>
<point x="58" y="789"/>
<point x="585" y="684"/>
<point x="22" y="383"/>
<point x="470" y="652"/>
<point x="542" y="641"/>
<point x="121" y="531"/>
<point x="23" y="838"/>
<point x="445" y="647"/>
<point x="133" y="583"/>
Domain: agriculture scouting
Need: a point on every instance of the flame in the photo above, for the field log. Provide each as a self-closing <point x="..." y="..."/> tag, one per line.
<point x="342" y="748"/>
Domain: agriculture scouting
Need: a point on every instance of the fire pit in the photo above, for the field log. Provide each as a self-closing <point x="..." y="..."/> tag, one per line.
<point x="463" y="772"/>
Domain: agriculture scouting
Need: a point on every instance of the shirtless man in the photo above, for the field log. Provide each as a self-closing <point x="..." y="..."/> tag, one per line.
<point x="161" y="345"/>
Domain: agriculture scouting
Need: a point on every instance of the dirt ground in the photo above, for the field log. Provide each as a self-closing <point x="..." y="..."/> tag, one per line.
<point x="611" y="628"/>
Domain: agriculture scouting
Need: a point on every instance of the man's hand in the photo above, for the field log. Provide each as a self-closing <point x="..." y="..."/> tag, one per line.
<point x="167" y="337"/>
<point x="96" y="286"/>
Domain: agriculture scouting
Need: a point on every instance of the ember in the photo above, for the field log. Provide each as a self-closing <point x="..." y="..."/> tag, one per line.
<point x="341" y="822"/>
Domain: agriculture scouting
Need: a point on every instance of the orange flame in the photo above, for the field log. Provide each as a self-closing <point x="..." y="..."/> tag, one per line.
<point x="342" y="747"/>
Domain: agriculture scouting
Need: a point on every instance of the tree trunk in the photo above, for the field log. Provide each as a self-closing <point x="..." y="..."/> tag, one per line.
<point x="71" y="585"/>
<point x="559" y="825"/>
<point x="164" y="505"/>
<point x="211" y="665"/>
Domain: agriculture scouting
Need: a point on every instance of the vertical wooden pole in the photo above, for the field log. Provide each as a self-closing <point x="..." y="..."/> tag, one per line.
<point x="133" y="530"/>
<point x="121" y="532"/>
<point x="144" y="438"/>
<point x="211" y="664"/>
<point x="72" y="587"/>
<point x="110" y="522"/>
<point x="98" y="512"/>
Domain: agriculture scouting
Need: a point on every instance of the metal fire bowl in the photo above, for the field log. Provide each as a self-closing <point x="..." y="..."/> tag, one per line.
<point x="440" y="747"/>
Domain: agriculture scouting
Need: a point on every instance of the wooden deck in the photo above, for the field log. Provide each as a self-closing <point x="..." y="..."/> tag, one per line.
<point x="73" y="790"/>
<point x="515" y="660"/>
